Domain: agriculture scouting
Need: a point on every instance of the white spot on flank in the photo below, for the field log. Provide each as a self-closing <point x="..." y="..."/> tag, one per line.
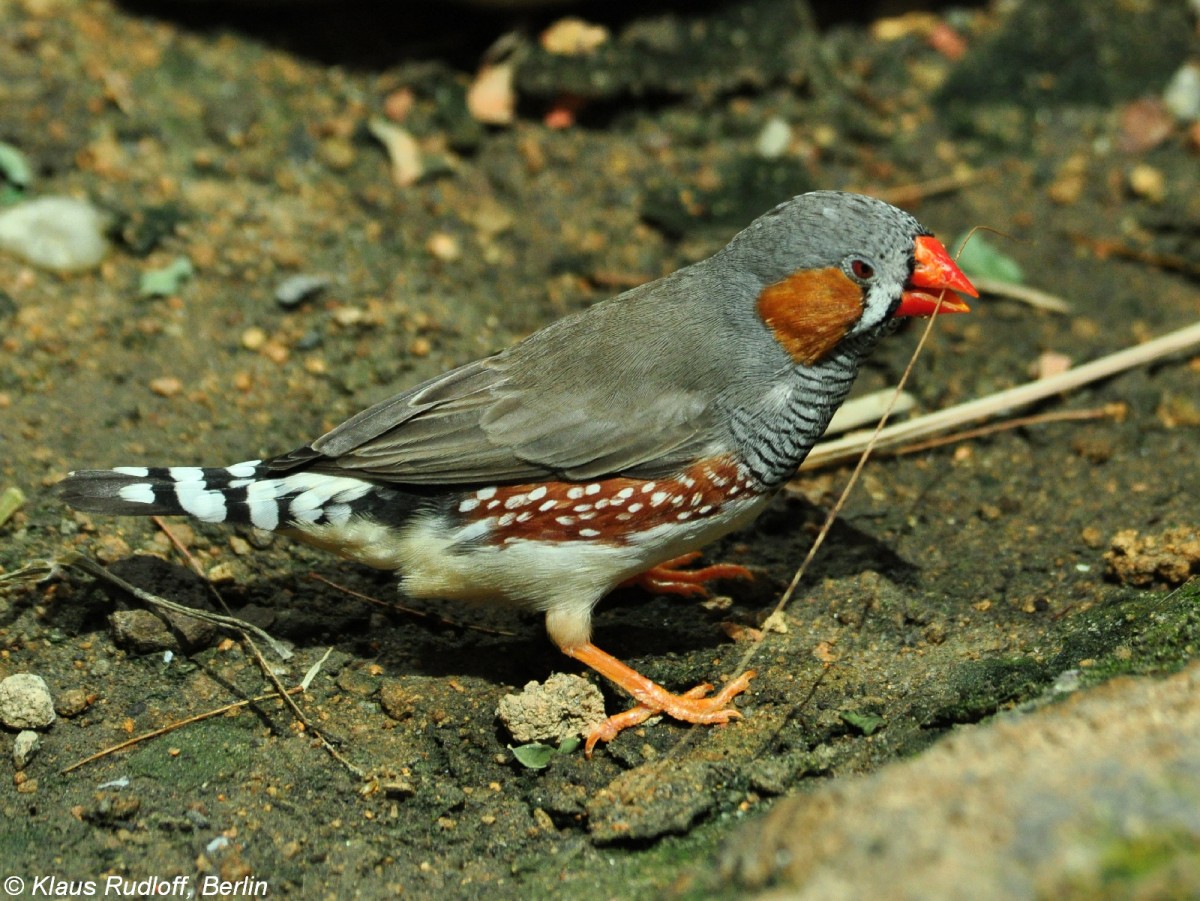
<point x="565" y="520"/>
<point x="506" y="520"/>
<point x="685" y="514"/>
<point x="648" y="487"/>
<point x="468" y="505"/>
<point x="243" y="470"/>
<point x="586" y="516"/>
<point x="537" y="493"/>
<point x="138" y="471"/>
<point x="517" y="500"/>
<point x="624" y="494"/>
<point x="589" y="533"/>
<point x="688" y="482"/>
<point x="706" y="509"/>
<point x="575" y="493"/>
<point x="602" y="503"/>
<point x="734" y="489"/>
<point x="593" y="488"/>
<point x="486" y="493"/>
<point x="677" y="500"/>
<point x="697" y="498"/>
<point x="137" y="493"/>
<point x="719" y="481"/>
<point x="547" y="505"/>
<point x="658" y="499"/>
<point x="624" y="517"/>
<point x="524" y="517"/>
<point x="582" y="508"/>
<point x="492" y="505"/>
<point x="633" y="508"/>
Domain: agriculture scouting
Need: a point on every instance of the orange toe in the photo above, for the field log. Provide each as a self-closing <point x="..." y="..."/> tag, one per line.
<point x="669" y="577"/>
<point x="693" y="706"/>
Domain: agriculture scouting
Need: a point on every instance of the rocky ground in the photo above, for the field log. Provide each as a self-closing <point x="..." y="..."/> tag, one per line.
<point x="991" y="647"/>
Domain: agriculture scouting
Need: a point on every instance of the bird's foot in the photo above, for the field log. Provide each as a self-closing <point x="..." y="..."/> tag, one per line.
<point x="693" y="706"/>
<point x="669" y="577"/>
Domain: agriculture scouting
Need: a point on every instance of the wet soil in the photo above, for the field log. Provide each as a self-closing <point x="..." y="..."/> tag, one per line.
<point x="958" y="582"/>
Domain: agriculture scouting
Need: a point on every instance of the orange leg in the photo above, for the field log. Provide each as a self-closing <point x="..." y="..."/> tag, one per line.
<point x="691" y="707"/>
<point x="669" y="577"/>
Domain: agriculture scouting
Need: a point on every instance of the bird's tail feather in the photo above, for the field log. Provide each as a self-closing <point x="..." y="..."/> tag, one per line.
<point x="247" y="493"/>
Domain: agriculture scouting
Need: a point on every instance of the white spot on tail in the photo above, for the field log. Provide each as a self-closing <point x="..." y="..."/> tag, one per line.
<point x="243" y="470"/>
<point x="137" y="493"/>
<point x="137" y="471"/>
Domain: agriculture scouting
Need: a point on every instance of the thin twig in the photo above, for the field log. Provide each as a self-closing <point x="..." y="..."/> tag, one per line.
<point x="1034" y="297"/>
<point x="923" y="427"/>
<point x="178" y="724"/>
<point x="1108" y="411"/>
<point x="92" y="568"/>
<point x="266" y="669"/>
<point x="903" y="195"/>
<point x="411" y="611"/>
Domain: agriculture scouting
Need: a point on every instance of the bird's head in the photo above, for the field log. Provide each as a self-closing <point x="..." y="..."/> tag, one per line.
<point x="830" y="266"/>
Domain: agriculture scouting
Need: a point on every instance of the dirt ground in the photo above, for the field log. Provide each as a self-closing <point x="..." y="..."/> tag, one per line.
<point x="958" y="582"/>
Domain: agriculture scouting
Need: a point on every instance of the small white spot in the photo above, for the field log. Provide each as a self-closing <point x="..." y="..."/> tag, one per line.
<point x="633" y="508"/>
<point x="524" y="517"/>
<point x="593" y="488"/>
<point x="684" y="514"/>
<point x="537" y="493"/>
<point x="575" y="493"/>
<point x="186" y="473"/>
<point x="688" y="482"/>
<point x="517" y="500"/>
<point x="565" y="520"/>
<point x="624" y="517"/>
<point x="589" y="533"/>
<point x="734" y="489"/>
<point x="468" y="505"/>
<point x="485" y="493"/>
<point x="137" y="493"/>
<point x="706" y="509"/>
<point x="719" y="481"/>
<point x="586" y="516"/>
<point x="547" y="505"/>
<point x="676" y="500"/>
<point x="624" y="494"/>
<point x="648" y="487"/>
<point x="506" y="520"/>
<point x="137" y="471"/>
<point x="582" y="508"/>
<point x="492" y="505"/>
<point x="243" y="470"/>
<point x="602" y="503"/>
<point x="658" y="499"/>
<point x="697" y="498"/>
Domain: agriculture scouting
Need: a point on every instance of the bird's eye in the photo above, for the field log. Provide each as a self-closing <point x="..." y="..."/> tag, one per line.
<point x="862" y="269"/>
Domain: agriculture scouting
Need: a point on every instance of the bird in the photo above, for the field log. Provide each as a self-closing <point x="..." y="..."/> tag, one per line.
<point x="604" y="449"/>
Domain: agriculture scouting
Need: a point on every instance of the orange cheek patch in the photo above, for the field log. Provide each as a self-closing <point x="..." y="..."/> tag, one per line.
<point x="608" y="510"/>
<point x="810" y="311"/>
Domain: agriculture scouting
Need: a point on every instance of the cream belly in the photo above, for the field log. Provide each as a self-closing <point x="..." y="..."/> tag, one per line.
<point x="438" y="559"/>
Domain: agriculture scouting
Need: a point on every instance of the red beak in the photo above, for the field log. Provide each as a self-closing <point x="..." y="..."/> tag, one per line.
<point x="935" y="276"/>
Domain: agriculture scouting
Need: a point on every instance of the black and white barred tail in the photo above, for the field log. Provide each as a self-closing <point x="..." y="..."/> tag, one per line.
<point x="249" y="493"/>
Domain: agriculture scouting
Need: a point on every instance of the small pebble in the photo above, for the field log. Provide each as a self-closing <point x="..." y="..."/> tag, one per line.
<point x="293" y="291"/>
<point x="25" y="702"/>
<point x="57" y="233"/>
<point x="774" y="139"/>
<point x="1182" y="94"/>
<point x="1147" y="182"/>
<point x="166" y="386"/>
<point x="25" y="747"/>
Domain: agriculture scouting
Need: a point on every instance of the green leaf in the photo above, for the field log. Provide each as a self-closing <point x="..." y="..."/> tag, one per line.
<point x="981" y="259"/>
<point x="166" y="281"/>
<point x="570" y="745"/>
<point x="15" y="173"/>
<point x="866" y="723"/>
<point x="533" y="756"/>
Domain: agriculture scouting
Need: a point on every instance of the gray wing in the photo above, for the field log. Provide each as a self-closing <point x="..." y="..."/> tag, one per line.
<point x="550" y="406"/>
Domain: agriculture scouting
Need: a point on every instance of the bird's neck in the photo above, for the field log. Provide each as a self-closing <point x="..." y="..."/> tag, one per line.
<point x="778" y="435"/>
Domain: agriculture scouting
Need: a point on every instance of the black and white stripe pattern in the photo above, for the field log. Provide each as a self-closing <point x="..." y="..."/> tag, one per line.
<point x="246" y="493"/>
<point x="775" y="442"/>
